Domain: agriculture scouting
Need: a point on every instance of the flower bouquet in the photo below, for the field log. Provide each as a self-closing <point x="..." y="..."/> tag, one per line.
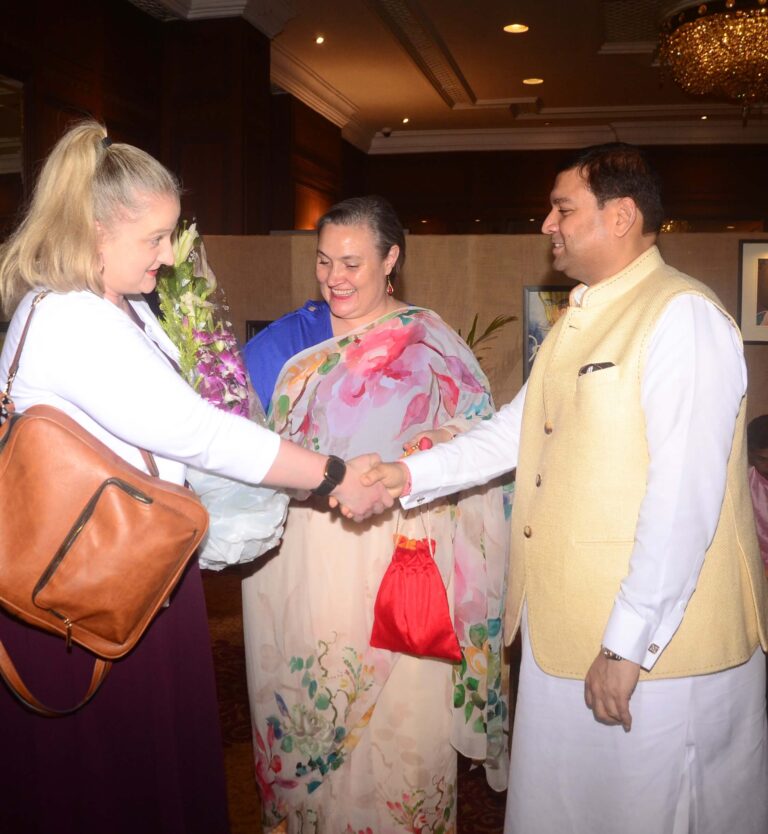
<point x="245" y="520"/>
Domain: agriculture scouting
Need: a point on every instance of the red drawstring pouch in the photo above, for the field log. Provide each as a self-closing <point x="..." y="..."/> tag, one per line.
<point x="411" y="614"/>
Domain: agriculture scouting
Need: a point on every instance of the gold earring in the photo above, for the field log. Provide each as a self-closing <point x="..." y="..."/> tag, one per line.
<point x="390" y="288"/>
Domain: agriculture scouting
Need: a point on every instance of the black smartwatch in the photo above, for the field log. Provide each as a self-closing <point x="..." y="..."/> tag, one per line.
<point x="335" y="470"/>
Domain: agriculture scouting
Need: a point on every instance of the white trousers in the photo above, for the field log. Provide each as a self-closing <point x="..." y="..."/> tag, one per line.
<point x="695" y="761"/>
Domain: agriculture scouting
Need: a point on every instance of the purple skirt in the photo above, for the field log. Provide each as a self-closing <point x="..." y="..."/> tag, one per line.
<point x="145" y="755"/>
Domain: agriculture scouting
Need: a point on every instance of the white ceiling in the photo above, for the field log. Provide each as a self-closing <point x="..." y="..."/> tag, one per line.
<point x="449" y="67"/>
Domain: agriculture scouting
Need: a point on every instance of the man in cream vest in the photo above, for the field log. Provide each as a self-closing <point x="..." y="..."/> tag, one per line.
<point x="635" y="574"/>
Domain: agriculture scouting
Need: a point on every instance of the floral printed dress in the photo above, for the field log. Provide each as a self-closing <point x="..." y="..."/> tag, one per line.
<point x="350" y="739"/>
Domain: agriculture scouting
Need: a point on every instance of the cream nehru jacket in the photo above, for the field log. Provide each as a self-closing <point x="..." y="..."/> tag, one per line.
<point x="581" y="477"/>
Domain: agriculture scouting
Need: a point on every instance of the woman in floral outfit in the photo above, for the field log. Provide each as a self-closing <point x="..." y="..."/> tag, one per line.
<point x="348" y="738"/>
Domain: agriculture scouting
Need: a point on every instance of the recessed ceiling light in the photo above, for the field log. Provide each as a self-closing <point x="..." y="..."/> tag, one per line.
<point x="730" y="227"/>
<point x="516" y="28"/>
<point x="477" y="220"/>
<point x="406" y="120"/>
<point x="423" y="221"/>
<point x="319" y="39"/>
<point x="533" y="81"/>
<point x="704" y="118"/>
<point x="531" y="219"/>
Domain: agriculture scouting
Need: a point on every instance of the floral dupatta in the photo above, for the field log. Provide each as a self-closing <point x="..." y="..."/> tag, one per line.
<point x="374" y="389"/>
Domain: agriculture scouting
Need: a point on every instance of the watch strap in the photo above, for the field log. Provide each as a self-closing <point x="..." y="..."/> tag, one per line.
<point x="335" y="470"/>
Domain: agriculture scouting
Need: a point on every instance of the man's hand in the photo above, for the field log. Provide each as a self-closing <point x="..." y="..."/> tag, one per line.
<point x="391" y="476"/>
<point x="356" y="499"/>
<point x="608" y="687"/>
<point x="426" y="440"/>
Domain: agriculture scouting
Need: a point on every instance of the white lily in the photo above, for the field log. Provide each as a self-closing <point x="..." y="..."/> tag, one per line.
<point x="184" y="243"/>
<point x="189" y="303"/>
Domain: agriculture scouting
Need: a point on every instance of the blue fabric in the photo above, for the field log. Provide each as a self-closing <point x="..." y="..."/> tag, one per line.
<point x="267" y="352"/>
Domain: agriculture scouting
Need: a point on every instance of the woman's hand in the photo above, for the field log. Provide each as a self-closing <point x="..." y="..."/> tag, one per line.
<point x="426" y="440"/>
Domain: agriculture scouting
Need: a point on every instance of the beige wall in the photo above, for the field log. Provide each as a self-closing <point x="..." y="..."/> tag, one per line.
<point x="459" y="276"/>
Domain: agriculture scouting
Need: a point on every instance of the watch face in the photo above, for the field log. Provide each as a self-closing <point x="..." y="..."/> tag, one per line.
<point x="335" y="469"/>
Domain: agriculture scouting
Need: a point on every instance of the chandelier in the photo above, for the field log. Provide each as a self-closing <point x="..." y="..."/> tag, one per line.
<point x="718" y="48"/>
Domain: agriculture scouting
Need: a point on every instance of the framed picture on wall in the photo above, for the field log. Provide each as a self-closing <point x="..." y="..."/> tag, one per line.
<point x="254" y="326"/>
<point x="542" y="307"/>
<point x="753" y="291"/>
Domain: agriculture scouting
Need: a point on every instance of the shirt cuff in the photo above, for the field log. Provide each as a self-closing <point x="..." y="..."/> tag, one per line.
<point x="629" y="635"/>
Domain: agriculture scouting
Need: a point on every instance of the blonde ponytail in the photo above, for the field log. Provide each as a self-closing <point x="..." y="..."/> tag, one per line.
<point x="84" y="180"/>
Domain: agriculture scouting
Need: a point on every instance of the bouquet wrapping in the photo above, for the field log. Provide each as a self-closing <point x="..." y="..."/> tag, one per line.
<point x="245" y="520"/>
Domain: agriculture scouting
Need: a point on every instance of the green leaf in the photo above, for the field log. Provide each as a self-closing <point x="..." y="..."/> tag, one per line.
<point x="286" y="745"/>
<point x="330" y="363"/>
<point x="322" y="702"/>
<point x="305" y="681"/>
<point x="478" y="700"/>
<point x="282" y="406"/>
<point x="479" y="725"/>
<point x="469" y="708"/>
<point x="309" y="661"/>
<point x="472" y="331"/>
<point x="474" y="340"/>
<point x="297" y="664"/>
<point x="312" y="689"/>
<point x="459" y="696"/>
<point x="472" y="684"/>
<point x="478" y="634"/>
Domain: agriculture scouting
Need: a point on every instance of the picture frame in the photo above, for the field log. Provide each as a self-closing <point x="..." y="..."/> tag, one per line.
<point x="254" y="326"/>
<point x="542" y="306"/>
<point x="753" y="291"/>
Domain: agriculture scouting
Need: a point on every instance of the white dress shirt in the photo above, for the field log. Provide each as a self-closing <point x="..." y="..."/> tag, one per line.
<point x="693" y="382"/>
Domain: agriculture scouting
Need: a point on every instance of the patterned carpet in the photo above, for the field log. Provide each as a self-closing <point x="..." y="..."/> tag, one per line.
<point x="480" y="810"/>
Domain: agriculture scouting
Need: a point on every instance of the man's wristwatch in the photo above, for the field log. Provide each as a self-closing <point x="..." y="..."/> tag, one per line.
<point x="609" y="654"/>
<point x="335" y="470"/>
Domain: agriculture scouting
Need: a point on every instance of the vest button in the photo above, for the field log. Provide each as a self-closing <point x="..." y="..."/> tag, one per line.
<point x="548" y="428"/>
<point x="527" y="532"/>
<point x="538" y="480"/>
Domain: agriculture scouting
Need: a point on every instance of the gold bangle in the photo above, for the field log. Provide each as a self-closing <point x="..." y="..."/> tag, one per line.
<point x="609" y="654"/>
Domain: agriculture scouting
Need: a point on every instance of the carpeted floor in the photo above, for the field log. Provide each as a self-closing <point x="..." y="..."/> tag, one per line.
<point x="480" y="810"/>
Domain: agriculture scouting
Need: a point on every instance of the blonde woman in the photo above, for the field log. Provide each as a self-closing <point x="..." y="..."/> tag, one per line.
<point x="145" y="755"/>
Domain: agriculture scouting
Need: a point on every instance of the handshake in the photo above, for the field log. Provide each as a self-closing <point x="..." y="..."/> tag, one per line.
<point x="371" y="486"/>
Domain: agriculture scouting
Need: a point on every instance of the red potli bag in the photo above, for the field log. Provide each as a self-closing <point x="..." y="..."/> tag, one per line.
<point x="411" y="614"/>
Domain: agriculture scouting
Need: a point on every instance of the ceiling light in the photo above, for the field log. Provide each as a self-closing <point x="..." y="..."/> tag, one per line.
<point x="516" y="28"/>
<point x="533" y="81"/>
<point x="531" y="219"/>
<point x="319" y="39"/>
<point x="718" y="48"/>
<point x="730" y="227"/>
<point x="704" y="118"/>
<point x="422" y="221"/>
<point x="477" y="220"/>
<point x="406" y="120"/>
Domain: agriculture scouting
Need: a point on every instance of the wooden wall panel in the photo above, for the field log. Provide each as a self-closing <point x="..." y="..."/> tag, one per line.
<point x="307" y="164"/>
<point x="504" y="190"/>
<point x="216" y="116"/>
<point x="92" y="60"/>
<point x="196" y="95"/>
